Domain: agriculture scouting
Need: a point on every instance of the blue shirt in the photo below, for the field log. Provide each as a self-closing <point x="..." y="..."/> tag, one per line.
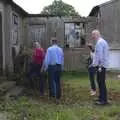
<point x="101" y="56"/>
<point x="54" y="55"/>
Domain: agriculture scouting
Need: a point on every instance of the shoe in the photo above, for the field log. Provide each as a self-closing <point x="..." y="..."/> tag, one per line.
<point x="96" y="100"/>
<point x="57" y="101"/>
<point x="41" y="94"/>
<point x="92" y="93"/>
<point x="52" y="99"/>
<point x="101" y="103"/>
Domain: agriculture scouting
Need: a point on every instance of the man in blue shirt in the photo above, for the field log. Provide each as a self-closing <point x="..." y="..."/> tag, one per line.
<point x="54" y="60"/>
<point x="100" y="61"/>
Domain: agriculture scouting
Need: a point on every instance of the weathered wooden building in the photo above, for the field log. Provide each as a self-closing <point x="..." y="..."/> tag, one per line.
<point x="11" y="31"/>
<point x="72" y="33"/>
<point x="17" y="28"/>
<point x="108" y="15"/>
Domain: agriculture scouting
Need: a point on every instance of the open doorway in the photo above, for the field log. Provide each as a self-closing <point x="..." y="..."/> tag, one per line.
<point x="1" y="46"/>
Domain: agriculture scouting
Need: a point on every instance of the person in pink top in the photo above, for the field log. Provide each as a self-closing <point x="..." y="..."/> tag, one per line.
<point x="37" y="61"/>
<point x="38" y="55"/>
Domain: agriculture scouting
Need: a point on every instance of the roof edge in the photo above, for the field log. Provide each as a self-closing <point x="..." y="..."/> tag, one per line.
<point x="106" y="3"/>
<point x="94" y="11"/>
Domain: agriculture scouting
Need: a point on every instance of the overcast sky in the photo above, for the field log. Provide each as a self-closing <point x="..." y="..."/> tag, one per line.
<point x="82" y="6"/>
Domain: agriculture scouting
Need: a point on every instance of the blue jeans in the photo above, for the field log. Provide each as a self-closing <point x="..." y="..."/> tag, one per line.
<point x="35" y="72"/>
<point x="54" y="73"/>
<point x="92" y="73"/>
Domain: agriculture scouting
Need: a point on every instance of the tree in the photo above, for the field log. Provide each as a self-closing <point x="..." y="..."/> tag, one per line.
<point x="59" y="8"/>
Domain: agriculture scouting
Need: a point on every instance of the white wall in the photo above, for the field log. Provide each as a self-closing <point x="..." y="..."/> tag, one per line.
<point x="114" y="62"/>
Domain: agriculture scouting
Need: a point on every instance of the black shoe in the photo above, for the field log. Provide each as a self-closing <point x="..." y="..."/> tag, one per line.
<point x="57" y="101"/>
<point x="101" y="103"/>
<point x="41" y="94"/>
<point x="52" y="96"/>
<point x="96" y="100"/>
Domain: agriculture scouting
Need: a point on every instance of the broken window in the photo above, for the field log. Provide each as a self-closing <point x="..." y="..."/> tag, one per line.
<point x="74" y="35"/>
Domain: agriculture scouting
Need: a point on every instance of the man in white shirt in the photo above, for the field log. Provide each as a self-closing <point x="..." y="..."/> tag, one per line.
<point x="100" y="61"/>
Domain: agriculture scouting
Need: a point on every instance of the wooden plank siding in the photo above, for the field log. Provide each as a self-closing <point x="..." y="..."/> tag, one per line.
<point x="21" y="27"/>
<point x="1" y="47"/>
<point x="75" y="59"/>
<point x="109" y="25"/>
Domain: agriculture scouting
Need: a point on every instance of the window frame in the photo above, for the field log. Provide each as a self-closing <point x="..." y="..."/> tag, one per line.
<point x="65" y="40"/>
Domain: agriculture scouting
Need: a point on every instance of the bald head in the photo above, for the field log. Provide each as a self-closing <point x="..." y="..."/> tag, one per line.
<point x="95" y="34"/>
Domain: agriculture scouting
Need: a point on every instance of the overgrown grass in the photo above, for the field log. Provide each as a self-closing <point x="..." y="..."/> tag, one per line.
<point x="76" y="103"/>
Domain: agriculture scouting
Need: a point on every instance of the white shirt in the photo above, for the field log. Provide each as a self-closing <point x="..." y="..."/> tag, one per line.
<point x="101" y="56"/>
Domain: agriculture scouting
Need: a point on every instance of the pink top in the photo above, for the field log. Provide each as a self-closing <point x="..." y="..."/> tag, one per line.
<point x="38" y="56"/>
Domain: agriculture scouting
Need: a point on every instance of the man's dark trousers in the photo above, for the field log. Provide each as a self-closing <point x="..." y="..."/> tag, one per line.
<point x="54" y="73"/>
<point x="102" y="85"/>
<point x="35" y="72"/>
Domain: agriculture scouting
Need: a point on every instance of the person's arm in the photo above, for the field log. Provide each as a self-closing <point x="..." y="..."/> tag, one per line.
<point x="33" y="55"/>
<point x="62" y="59"/>
<point x="42" y="55"/>
<point x="46" y="61"/>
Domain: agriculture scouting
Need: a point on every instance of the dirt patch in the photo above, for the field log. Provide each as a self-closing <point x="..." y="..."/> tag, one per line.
<point x="114" y="96"/>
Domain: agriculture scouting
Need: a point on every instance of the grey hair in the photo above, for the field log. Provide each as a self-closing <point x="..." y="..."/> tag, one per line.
<point x="97" y="32"/>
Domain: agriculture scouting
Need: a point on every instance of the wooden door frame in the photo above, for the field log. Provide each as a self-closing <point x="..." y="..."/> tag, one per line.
<point x="3" y="40"/>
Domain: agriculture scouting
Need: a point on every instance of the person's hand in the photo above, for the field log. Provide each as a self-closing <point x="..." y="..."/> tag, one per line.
<point x="93" y="65"/>
<point x="90" y="66"/>
<point x="99" y="69"/>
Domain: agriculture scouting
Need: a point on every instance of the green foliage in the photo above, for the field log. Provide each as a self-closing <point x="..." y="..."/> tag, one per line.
<point x="59" y="8"/>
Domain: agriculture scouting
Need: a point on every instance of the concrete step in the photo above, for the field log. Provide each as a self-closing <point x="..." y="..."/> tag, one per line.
<point x="1" y="71"/>
<point x="14" y="93"/>
<point x="5" y="86"/>
<point x="3" y="116"/>
<point x="3" y="79"/>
